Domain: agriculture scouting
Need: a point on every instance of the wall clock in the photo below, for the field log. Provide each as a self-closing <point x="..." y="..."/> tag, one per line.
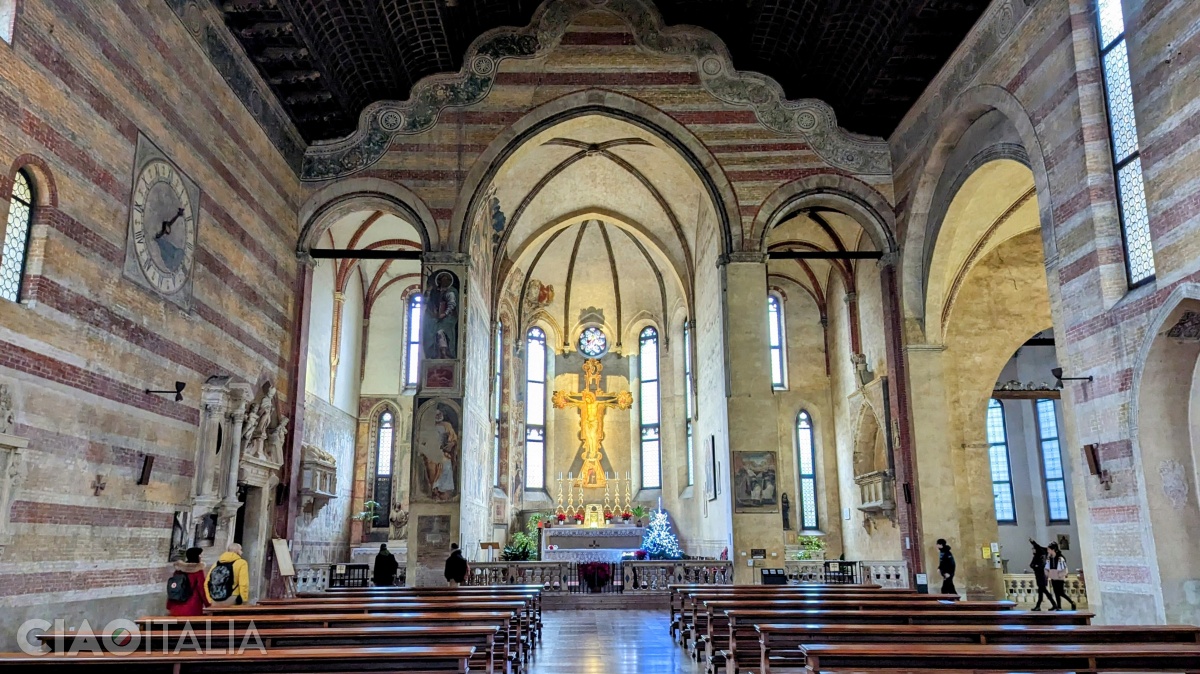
<point x="163" y="212"/>
<point x="592" y="342"/>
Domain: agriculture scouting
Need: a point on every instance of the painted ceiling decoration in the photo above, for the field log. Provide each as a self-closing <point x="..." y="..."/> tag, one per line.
<point x="380" y="68"/>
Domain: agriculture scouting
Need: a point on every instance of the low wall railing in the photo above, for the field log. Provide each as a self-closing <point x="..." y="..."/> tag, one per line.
<point x="646" y="577"/>
<point x="886" y="573"/>
<point x="1022" y="589"/>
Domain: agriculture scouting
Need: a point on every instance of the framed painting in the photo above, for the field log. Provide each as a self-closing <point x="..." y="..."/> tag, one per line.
<point x="754" y="482"/>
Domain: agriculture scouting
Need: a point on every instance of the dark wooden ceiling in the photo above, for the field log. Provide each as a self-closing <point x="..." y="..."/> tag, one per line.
<point x="328" y="59"/>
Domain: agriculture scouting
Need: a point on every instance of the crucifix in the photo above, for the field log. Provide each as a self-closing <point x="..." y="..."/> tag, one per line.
<point x="98" y="485"/>
<point x="592" y="402"/>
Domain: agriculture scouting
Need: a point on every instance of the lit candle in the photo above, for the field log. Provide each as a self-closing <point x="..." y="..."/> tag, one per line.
<point x="569" y="475"/>
<point x="660" y="504"/>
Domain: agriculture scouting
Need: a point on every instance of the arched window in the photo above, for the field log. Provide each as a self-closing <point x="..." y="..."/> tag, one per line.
<point x="1127" y="161"/>
<point x="775" y="339"/>
<point x="1052" y="468"/>
<point x="535" y="409"/>
<point x="16" y="238"/>
<point x="8" y="19"/>
<point x="1002" y="490"/>
<point x="689" y="404"/>
<point x="412" y="361"/>
<point x="648" y="374"/>
<point x="807" y="460"/>
<point x="497" y="384"/>
<point x="385" y="438"/>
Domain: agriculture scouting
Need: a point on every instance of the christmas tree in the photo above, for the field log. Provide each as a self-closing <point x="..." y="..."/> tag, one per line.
<point x="659" y="541"/>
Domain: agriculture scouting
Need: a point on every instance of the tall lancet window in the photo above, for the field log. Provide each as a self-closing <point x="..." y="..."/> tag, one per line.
<point x="497" y="391"/>
<point x="1002" y="490"/>
<point x="16" y="238"/>
<point x="1127" y="161"/>
<point x="651" y="441"/>
<point x="535" y="409"/>
<point x="385" y="438"/>
<point x="412" y="361"/>
<point x="689" y="403"/>
<point x="1052" y="466"/>
<point x="807" y="460"/>
<point x="775" y="339"/>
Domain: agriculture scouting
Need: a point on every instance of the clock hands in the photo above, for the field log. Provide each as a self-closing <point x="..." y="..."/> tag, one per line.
<point x="167" y="224"/>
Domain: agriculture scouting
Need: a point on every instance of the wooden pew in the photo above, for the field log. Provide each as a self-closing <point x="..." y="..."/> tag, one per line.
<point x="411" y="659"/>
<point x="779" y="645"/>
<point x="511" y="631"/>
<point x="448" y="595"/>
<point x="740" y="635"/>
<point x="1003" y="657"/>
<point x="483" y="638"/>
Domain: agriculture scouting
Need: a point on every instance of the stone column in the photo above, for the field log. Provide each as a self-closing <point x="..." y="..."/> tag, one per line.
<point x="434" y="513"/>
<point x="750" y="402"/>
<point x="214" y="407"/>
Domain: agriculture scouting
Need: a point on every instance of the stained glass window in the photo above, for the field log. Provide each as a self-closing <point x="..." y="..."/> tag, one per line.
<point x="1127" y="163"/>
<point x="807" y="459"/>
<point x="689" y="404"/>
<point x="1002" y="490"/>
<point x="16" y="238"/>
<point x="1052" y="467"/>
<point x="775" y="339"/>
<point x="384" y="449"/>
<point x="412" y="363"/>
<point x="592" y="342"/>
<point x="497" y="393"/>
<point x="651" y="440"/>
<point x="535" y="409"/>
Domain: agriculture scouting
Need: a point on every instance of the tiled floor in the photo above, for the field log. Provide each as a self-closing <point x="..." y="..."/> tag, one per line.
<point x="609" y="642"/>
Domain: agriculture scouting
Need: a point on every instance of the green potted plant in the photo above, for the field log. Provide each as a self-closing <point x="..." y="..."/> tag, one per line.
<point x="369" y="512"/>
<point x="639" y="512"/>
<point x="811" y="548"/>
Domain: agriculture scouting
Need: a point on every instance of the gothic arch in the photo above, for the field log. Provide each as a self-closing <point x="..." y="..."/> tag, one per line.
<point x="350" y="195"/>
<point x="833" y="191"/>
<point x="608" y="104"/>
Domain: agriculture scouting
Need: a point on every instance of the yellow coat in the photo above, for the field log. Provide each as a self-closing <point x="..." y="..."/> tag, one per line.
<point x="241" y="579"/>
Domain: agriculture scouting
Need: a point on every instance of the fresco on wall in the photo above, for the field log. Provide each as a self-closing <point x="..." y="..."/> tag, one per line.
<point x="433" y="539"/>
<point x="439" y="329"/>
<point x="754" y="482"/>
<point x="437" y="451"/>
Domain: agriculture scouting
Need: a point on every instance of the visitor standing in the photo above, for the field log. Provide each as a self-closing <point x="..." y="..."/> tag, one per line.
<point x="1056" y="571"/>
<point x="946" y="566"/>
<point x="185" y="589"/>
<point x="1038" y="566"/>
<point x="385" y="568"/>
<point x="229" y="579"/>
<point x="456" y="566"/>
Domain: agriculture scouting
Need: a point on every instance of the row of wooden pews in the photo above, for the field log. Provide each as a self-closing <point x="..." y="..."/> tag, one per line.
<point x="422" y="630"/>
<point x="836" y="628"/>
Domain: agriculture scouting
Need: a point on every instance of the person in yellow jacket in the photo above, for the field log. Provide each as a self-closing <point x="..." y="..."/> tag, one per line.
<point x="228" y="582"/>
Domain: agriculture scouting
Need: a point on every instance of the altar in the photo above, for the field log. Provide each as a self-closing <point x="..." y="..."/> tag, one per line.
<point x="590" y="544"/>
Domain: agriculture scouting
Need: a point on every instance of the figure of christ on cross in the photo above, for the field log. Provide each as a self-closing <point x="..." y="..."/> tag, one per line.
<point x="592" y="403"/>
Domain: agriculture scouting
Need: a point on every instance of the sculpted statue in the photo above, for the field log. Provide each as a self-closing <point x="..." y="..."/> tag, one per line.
<point x="6" y="409"/>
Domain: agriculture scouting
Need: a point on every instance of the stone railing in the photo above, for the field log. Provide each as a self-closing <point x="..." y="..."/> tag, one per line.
<point x="654" y="576"/>
<point x="312" y="577"/>
<point x="549" y="575"/>
<point x="876" y="491"/>
<point x="886" y="573"/>
<point x="1022" y="588"/>
<point x="805" y="570"/>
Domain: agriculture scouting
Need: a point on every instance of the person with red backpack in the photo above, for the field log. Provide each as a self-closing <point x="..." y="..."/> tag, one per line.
<point x="229" y="579"/>
<point x="185" y="589"/>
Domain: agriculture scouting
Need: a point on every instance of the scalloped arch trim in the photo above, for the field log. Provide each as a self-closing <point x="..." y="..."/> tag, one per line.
<point x="382" y="121"/>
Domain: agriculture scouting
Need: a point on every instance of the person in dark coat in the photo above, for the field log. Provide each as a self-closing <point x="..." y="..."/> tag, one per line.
<point x="385" y="568"/>
<point x="1056" y="571"/>
<point x="946" y="566"/>
<point x="198" y="599"/>
<point x="1038" y="566"/>
<point x="456" y="566"/>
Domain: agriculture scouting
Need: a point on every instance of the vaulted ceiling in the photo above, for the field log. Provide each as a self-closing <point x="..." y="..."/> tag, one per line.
<point x="328" y="59"/>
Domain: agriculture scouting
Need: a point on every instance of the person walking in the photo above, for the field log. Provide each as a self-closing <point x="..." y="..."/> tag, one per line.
<point x="229" y="579"/>
<point x="456" y="567"/>
<point x="1038" y="566"/>
<point x="1056" y="571"/>
<point x="185" y="589"/>
<point x="385" y="568"/>
<point x="946" y="566"/>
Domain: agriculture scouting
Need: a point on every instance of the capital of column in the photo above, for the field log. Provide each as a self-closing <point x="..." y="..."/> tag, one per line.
<point x="741" y="257"/>
<point x="306" y="259"/>
<point x="445" y="258"/>
<point x="889" y="259"/>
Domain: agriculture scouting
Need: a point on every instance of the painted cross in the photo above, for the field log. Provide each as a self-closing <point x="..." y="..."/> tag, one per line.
<point x="98" y="485"/>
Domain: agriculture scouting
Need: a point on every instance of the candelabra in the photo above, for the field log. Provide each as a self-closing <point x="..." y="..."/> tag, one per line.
<point x="571" y="497"/>
<point x="559" y="501"/>
<point x="628" y="492"/>
<point x="607" y="507"/>
<point x="582" y="500"/>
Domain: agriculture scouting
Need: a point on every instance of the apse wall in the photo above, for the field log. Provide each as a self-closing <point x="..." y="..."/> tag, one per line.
<point x="79" y="85"/>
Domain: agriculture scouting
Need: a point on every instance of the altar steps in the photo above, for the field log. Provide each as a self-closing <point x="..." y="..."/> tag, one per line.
<point x="604" y="601"/>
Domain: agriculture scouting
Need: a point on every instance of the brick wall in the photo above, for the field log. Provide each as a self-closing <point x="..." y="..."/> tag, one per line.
<point x="77" y="85"/>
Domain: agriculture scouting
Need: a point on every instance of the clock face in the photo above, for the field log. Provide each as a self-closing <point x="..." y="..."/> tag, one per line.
<point x="593" y="343"/>
<point x="163" y="228"/>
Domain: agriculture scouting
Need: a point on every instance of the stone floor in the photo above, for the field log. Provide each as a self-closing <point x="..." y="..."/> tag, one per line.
<point x="609" y="642"/>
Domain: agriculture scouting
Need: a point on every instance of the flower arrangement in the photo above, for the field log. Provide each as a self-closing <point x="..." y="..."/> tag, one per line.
<point x="561" y="517"/>
<point x="626" y="515"/>
<point x="811" y="547"/>
<point x="578" y="518"/>
<point x="641" y="555"/>
<point x="608" y="515"/>
<point x="595" y="574"/>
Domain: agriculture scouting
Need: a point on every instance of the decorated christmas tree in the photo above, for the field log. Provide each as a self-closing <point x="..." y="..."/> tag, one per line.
<point x="660" y="542"/>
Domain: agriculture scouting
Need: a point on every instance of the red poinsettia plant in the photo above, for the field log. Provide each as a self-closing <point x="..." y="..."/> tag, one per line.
<point x="608" y="515"/>
<point x="595" y="575"/>
<point x="561" y="517"/>
<point x="626" y="515"/>
<point x="578" y="518"/>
